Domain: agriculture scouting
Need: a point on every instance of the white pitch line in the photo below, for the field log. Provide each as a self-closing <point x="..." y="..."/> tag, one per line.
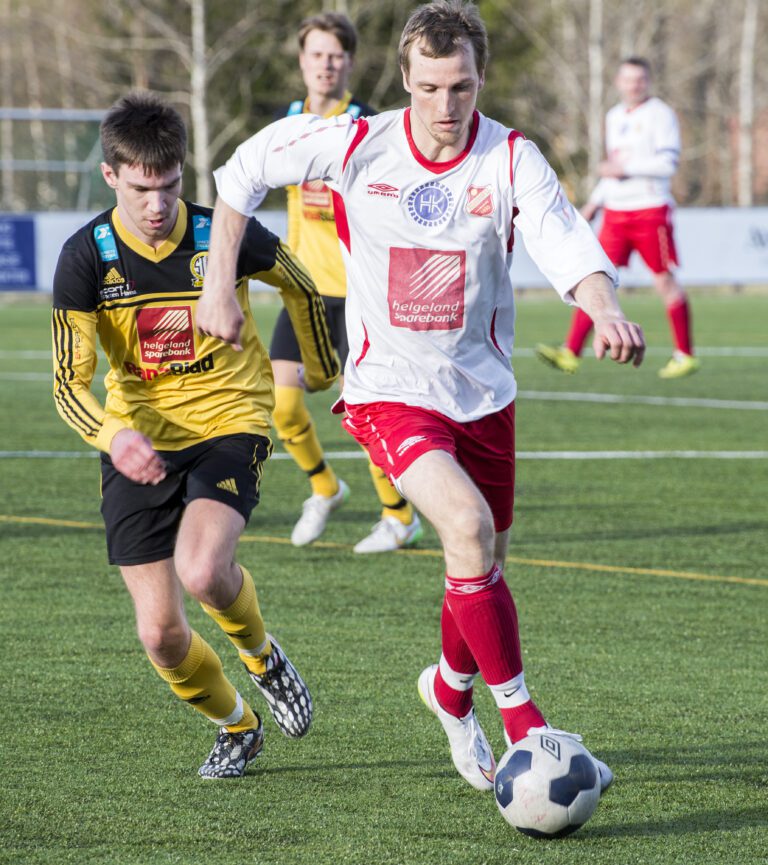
<point x="688" y="402"/>
<point x="521" y="455"/>
<point x="550" y="396"/>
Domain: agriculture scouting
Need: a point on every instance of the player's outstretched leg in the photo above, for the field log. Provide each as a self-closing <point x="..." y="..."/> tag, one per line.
<point x="470" y="751"/>
<point x="285" y="691"/>
<point x="232" y="752"/>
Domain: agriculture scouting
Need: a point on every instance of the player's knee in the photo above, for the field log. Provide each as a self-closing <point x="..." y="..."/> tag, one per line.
<point x="165" y="642"/>
<point x="471" y="526"/>
<point x="668" y="288"/>
<point x="201" y="574"/>
<point x="291" y="418"/>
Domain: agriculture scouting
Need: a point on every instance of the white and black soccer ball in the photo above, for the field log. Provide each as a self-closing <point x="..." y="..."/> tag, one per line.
<point x="547" y="786"/>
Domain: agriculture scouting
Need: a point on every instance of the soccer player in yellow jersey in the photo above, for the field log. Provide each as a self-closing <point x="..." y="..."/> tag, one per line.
<point x="184" y="432"/>
<point x="327" y="44"/>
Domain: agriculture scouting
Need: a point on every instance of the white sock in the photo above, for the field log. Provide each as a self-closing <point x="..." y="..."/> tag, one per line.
<point x="457" y="681"/>
<point x="510" y="694"/>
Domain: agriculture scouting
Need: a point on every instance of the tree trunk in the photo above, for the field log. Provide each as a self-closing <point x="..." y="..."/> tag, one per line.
<point x="746" y="103"/>
<point x="197" y="106"/>
<point x="6" y="126"/>
<point x="596" y="71"/>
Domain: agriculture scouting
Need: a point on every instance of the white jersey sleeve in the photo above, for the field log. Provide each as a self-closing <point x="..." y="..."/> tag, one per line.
<point x="288" y="152"/>
<point x="556" y="235"/>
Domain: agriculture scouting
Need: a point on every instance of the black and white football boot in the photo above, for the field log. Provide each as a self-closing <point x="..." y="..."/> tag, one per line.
<point x="232" y="752"/>
<point x="286" y="693"/>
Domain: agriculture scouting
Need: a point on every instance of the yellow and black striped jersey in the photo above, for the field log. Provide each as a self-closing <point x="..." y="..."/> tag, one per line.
<point x="166" y="380"/>
<point x="311" y="220"/>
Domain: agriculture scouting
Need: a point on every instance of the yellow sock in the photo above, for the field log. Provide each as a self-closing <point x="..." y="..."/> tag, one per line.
<point x="243" y="624"/>
<point x="296" y="431"/>
<point x="393" y="504"/>
<point x="200" y="681"/>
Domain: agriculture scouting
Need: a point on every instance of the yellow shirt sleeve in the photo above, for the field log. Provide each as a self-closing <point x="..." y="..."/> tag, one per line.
<point x="306" y="311"/>
<point x="74" y="364"/>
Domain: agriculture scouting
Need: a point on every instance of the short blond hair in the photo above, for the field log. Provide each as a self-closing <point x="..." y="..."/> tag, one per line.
<point x="441" y="27"/>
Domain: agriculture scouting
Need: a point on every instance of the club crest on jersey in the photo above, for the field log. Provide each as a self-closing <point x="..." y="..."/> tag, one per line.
<point x="479" y="201"/>
<point x="430" y="204"/>
<point x="198" y="264"/>
<point x="165" y="333"/>
<point x="426" y="288"/>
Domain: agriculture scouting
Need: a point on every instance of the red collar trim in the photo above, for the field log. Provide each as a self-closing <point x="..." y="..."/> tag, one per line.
<point x="440" y="167"/>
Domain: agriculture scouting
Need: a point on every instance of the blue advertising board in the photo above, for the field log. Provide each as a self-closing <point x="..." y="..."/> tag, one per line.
<point x="17" y="253"/>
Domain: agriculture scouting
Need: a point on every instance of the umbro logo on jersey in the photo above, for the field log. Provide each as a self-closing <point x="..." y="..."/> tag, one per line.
<point x="113" y="277"/>
<point x="479" y="201"/>
<point x="229" y="485"/>
<point x="408" y="443"/>
<point x="383" y="190"/>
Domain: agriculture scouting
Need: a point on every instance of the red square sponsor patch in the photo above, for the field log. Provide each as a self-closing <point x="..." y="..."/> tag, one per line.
<point x="479" y="201"/>
<point x="426" y="288"/>
<point x="165" y="333"/>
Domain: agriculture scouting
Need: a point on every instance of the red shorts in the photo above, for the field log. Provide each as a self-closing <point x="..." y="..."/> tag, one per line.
<point x="648" y="231"/>
<point x="395" y="434"/>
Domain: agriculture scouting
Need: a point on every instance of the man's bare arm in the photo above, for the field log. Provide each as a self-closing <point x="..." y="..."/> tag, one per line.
<point x="218" y="312"/>
<point x="622" y="339"/>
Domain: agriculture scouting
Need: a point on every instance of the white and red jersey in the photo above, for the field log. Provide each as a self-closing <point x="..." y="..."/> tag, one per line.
<point x="427" y="247"/>
<point x="645" y="140"/>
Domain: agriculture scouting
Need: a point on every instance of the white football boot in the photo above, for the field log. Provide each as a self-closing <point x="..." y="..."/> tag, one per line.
<point x="470" y="751"/>
<point x="390" y="534"/>
<point x="315" y="512"/>
<point x="606" y="775"/>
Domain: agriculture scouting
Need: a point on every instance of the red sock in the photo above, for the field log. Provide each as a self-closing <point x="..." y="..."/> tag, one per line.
<point x="679" y="316"/>
<point x="581" y="324"/>
<point x="518" y="721"/>
<point x="485" y="614"/>
<point x="460" y="660"/>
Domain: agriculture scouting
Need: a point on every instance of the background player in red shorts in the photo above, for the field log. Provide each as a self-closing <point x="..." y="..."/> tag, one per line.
<point x="643" y="145"/>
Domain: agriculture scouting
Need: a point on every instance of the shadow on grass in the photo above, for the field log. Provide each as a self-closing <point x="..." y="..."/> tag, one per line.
<point x="721" y="819"/>
<point x="733" y="763"/>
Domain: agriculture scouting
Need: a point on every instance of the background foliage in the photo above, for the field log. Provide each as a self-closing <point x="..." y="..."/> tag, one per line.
<point x="229" y="65"/>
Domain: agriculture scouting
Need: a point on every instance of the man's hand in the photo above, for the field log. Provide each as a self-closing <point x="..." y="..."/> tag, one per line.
<point x="220" y="315"/>
<point x="589" y="210"/>
<point x="133" y="456"/>
<point x="611" y="168"/>
<point x="622" y="340"/>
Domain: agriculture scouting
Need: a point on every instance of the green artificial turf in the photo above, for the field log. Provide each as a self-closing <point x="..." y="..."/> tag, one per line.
<point x="642" y="590"/>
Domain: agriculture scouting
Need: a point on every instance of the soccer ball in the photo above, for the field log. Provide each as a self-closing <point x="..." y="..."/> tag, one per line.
<point x="547" y="786"/>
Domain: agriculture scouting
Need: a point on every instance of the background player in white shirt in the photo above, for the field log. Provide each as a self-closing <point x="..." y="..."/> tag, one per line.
<point x="425" y="199"/>
<point x="642" y="139"/>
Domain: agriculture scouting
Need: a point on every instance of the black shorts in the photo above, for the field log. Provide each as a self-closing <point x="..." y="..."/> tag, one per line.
<point x="284" y="345"/>
<point x="142" y="520"/>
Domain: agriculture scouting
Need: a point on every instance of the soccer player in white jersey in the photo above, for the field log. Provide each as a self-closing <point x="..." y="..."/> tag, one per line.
<point x="642" y="139"/>
<point x="425" y="202"/>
